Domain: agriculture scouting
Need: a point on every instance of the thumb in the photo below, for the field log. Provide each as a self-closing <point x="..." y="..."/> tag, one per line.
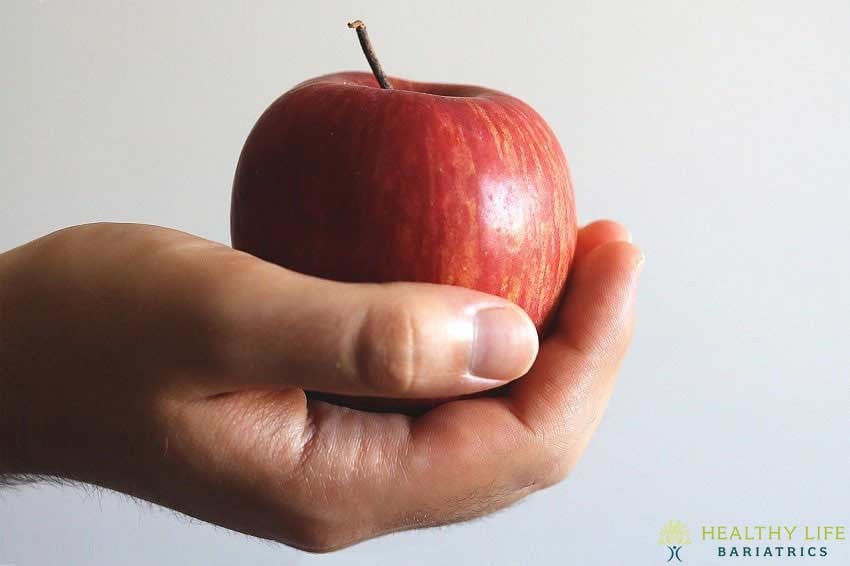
<point x="386" y="340"/>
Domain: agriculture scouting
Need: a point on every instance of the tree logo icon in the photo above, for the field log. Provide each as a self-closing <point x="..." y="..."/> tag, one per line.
<point x="674" y="535"/>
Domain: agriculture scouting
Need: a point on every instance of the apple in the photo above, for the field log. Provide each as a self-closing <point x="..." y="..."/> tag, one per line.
<point x="363" y="178"/>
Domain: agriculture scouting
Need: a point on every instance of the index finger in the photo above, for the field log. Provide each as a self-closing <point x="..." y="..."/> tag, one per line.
<point x="562" y="399"/>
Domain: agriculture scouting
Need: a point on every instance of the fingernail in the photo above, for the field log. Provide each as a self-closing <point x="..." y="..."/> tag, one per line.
<point x="504" y="344"/>
<point x="640" y="261"/>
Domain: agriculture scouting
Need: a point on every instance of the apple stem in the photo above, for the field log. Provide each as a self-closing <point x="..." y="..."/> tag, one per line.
<point x="366" y="45"/>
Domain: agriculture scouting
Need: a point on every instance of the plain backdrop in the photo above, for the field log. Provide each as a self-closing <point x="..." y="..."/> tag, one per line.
<point x="718" y="131"/>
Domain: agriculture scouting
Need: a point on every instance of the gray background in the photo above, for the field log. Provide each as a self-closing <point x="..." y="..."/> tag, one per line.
<point x="718" y="131"/>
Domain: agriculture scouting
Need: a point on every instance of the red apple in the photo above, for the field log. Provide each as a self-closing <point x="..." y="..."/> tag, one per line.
<point x="461" y="185"/>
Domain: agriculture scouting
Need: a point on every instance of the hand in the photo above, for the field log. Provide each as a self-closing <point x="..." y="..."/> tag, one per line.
<point x="173" y="369"/>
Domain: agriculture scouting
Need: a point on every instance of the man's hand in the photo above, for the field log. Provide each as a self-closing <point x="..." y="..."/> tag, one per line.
<point x="171" y="368"/>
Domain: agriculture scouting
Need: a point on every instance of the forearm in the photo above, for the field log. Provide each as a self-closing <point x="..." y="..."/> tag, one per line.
<point x="23" y="346"/>
<point x="35" y="376"/>
<point x="10" y="429"/>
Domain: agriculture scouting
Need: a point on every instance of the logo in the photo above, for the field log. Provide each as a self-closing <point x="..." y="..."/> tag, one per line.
<point x="674" y="535"/>
<point x="753" y="540"/>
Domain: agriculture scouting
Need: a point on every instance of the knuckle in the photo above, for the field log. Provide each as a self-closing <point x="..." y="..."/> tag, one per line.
<point x="231" y="325"/>
<point x="318" y="536"/>
<point x="303" y="519"/>
<point x="386" y="352"/>
<point x="319" y="525"/>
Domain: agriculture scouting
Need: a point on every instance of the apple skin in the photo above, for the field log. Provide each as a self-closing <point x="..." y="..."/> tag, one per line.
<point x="438" y="183"/>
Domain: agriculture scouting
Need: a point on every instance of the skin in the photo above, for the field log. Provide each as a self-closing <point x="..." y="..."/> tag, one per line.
<point x="173" y="369"/>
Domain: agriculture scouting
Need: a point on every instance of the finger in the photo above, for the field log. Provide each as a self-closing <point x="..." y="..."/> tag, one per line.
<point x="467" y="458"/>
<point x="352" y="475"/>
<point x="392" y="340"/>
<point x="320" y="477"/>
<point x="597" y="233"/>
<point x="462" y="460"/>
<point x="590" y="237"/>
<point x="563" y="397"/>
